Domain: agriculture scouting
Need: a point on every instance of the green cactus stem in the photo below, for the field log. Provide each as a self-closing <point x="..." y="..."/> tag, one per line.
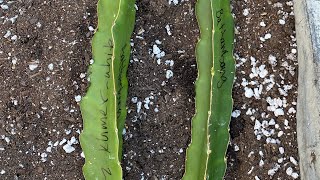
<point x="103" y="107"/>
<point x="210" y="125"/>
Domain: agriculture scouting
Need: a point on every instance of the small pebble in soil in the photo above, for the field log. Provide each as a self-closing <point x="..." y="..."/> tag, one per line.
<point x="44" y="157"/>
<point x="281" y="150"/>
<point x="293" y="161"/>
<point x="267" y="36"/>
<point x="50" y="66"/>
<point x="295" y="175"/>
<point x="8" y="33"/>
<point x="272" y="171"/>
<point x="33" y="66"/>
<point x="168" y="30"/>
<point x="245" y="12"/>
<point x="68" y="148"/>
<point x="289" y="171"/>
<point x="4" y="6"/>
<point x="134" y="100"/>
<point x="14" y="37"/>
<point x="82" y="75"/>
<point x="82" y="155"/>
<point x="91" y="28"/>
<point x="282" y="22"/>
<point x="236" y="148"/>
<point x="263" y="24"/>
<point x="169" y="74"/>
<point x="62" y="141"/>
<point x="236" y="113"/>
<point x="175" y="2"/>
<point x="139" y="104"/>
<point x="279" y="112"/>
<point x="157" y="52"/>
<point x="248" y="92"/>
<point x="169" y="62"/>
<point x="77" y="98"/>
<point x="261" y="163"/>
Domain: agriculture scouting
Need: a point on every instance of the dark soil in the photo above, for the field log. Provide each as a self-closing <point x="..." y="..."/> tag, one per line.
<point x="38" y="107"/>
<point x="155" y="142"/>
<point x="241" y="128"/>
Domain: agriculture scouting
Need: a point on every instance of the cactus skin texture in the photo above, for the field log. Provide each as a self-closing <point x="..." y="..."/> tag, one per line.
<point x="216" y="66"/>
<point x="103" y="107"/>
<point x="121" y="32"/>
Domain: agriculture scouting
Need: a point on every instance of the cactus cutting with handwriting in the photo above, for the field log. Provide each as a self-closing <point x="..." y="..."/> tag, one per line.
<point x="104" y="106"/>
<point x="216" y="67"/>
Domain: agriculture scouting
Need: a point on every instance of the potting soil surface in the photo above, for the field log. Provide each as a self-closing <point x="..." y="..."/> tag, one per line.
<point x="45" y="51"/>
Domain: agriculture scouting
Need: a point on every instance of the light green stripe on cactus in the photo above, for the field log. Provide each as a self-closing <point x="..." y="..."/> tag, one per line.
<point x="216" y="66"/>
<point x="103" y="108"/>
<point x="197" y="153"/>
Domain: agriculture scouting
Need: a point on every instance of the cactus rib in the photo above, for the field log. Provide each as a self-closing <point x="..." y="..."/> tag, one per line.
<point x="121" y="32"/>
<point x="197" y="153"/>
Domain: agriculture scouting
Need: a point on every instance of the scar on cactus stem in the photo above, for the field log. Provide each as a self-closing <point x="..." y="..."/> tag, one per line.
<point x="103" y="107"/>
<point x="210" y="125"/>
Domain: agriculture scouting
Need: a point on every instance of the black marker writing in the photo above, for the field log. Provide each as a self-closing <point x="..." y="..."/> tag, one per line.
<point x="223" y="49"/>
<point x="120" y="76"/>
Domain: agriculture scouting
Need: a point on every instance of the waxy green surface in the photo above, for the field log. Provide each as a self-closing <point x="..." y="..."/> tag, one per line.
<point x="216" y="66"/>
<point x="103" y="108"/>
